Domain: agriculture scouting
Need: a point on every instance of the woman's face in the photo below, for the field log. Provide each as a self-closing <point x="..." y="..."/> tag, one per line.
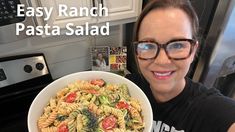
<point x="100" y="56"/>
<point x="166" y="76"/>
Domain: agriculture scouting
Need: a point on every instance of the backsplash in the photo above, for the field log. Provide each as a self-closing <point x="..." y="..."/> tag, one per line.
<point x="64" y="54"/>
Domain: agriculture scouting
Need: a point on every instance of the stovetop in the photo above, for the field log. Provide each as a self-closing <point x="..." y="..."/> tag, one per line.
<point x="21" y="79"/>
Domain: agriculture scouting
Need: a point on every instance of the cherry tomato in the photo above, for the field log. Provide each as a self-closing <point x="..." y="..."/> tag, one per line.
<point x="99" y="82"/>
<point x="109" y="122"/>
<point x="63" y="128"/>
<point x="71" y="97"/>
<point x="122" y="105"/>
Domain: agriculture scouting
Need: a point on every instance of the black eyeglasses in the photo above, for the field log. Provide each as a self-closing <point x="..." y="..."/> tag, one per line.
<point x="177" y="49"/>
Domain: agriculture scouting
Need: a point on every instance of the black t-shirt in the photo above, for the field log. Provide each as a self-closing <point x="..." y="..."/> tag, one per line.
<point x="195" y="109"/>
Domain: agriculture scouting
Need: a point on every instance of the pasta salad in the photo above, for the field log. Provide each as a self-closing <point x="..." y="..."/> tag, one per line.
<point x="92" y="106"/>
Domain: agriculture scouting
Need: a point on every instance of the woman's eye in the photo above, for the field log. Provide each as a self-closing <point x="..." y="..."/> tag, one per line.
<point x="176" y="46"/>
<point x="146" y="46"/>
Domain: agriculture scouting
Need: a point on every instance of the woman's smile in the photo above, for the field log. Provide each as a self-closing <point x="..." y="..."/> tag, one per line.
<point x="163" y="75"/>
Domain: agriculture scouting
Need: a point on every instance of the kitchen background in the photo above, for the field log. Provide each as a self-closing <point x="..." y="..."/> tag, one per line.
<point x="64" y="54"/>
<point x="69" y="54"/>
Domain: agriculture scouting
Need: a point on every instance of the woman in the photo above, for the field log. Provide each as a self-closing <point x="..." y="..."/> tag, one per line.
<point x="165" y="45"/>
<point x="100" y="61"/>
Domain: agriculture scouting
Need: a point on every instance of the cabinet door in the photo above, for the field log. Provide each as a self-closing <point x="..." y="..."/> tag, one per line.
<point x="118" y="10"/>
<point x="121" y="10"/>
<point x="81" y="18"/>
<point x="60" y="19"/>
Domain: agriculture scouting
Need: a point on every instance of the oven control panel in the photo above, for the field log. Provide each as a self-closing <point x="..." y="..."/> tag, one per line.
<point x="21" y="69"/>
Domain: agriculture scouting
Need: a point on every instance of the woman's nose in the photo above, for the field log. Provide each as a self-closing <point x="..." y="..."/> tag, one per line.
<point x="162" y="58"/>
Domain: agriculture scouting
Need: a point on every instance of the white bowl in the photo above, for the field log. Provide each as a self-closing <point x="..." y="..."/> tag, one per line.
<point x="36" y="108"/>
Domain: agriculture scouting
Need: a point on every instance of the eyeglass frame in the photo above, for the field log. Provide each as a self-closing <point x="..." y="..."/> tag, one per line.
<point x="163" y="46"/>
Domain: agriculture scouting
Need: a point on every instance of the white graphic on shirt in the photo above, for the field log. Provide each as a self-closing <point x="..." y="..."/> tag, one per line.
<point x="163" y="127"/>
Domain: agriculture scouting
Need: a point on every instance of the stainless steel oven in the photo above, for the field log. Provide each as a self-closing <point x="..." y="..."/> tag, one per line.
<point x="8" y="20"/>
<point x="21" y="79"/>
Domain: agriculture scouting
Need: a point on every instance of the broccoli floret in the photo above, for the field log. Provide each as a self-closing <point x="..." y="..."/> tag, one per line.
<point x="92" y="123"/>
<point x="104" y="99"/>
<point x="61" y="117"/>
<point x="128" y="119"/>
<point x="123" y="91"/>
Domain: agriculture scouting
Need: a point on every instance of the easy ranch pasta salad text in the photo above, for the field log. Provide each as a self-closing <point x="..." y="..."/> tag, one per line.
<point x="92" y="106"/>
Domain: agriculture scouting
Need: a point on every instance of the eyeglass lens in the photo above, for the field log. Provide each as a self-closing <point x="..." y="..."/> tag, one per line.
<point x="175" y="50"/>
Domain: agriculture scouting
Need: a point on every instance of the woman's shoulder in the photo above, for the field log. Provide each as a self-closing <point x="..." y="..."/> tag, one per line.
<point x="199" y="89"/>
<point x="211" y="104"/>
<point x="211" y="99"/>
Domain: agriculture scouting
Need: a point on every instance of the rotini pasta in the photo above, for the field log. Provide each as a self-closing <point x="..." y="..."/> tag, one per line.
<point x="93" y="105"/>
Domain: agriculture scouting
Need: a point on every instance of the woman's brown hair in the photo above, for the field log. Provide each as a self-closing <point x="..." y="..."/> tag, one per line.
<point x="184" y="5"/>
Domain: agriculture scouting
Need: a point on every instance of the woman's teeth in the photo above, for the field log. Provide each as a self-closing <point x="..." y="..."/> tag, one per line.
<point x="162" y="73"/>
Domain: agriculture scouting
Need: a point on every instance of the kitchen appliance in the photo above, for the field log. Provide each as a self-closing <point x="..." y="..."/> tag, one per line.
<point x="220" y="29"/>
<point x="225" y="80"/>
<point x="216" y="63"/>
<point x="22" y="77"/>
<point x="9" y="18"/>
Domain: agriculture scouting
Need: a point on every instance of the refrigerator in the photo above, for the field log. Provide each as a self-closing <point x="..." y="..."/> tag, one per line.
<point x="217" y="34"/>
<point x="216" y="63"/>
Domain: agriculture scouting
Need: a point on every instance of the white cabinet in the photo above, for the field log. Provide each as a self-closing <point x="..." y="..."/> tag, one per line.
<point x="60" y="19"/>
<point x="119" y="11"/>
<point x="78" y="18"/>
